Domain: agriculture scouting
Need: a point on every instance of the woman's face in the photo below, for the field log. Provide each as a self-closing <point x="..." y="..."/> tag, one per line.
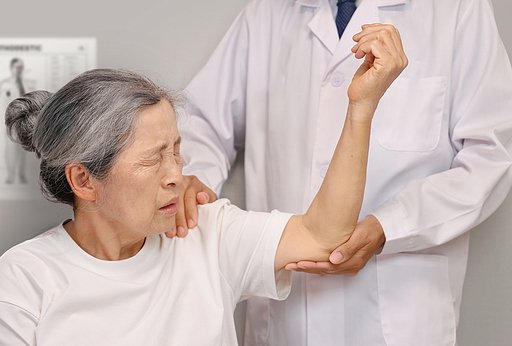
<point x="141" y="194"/>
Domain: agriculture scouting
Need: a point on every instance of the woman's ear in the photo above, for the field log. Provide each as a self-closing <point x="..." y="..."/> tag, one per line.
<point x="81" y="181"/>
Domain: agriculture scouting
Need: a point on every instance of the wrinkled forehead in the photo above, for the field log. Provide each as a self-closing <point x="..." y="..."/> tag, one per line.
<point x="155" y="126"/>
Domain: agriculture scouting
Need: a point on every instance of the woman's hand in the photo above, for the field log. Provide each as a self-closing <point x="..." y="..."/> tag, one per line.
<point x="192" y="192"/>
<point x="381" y="46"/>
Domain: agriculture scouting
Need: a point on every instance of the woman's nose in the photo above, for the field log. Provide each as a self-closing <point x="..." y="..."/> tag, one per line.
<point x="173" y="174"/>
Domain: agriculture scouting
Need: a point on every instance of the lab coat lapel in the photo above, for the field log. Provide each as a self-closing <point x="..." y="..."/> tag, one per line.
<point x="322" y="25"/>
<point x="366" y="13"/>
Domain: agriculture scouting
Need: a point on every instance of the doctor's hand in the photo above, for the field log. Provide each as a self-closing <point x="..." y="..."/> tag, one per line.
<point x="350" y="257"/>
<point x="192" y="192"/>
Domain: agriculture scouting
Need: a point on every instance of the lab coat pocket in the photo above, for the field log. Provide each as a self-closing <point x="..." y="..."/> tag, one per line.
<point x="415" y="300"/>
<point x="410" y="114"/>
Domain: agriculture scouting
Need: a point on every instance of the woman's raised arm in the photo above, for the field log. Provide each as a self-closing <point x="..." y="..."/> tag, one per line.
<point x="333" y="214"/>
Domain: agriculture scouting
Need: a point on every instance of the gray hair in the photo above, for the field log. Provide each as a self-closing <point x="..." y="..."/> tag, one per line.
<point x="88" y="121"/>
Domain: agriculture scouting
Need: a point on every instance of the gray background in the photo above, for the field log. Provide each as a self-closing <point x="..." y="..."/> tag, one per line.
<point x="169" y="40"/>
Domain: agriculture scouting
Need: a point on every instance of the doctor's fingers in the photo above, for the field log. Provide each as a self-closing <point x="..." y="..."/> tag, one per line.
<point x="180" y="226"/>
<point x="171" y="233"/>
<point x="311" y="267"/>
<point x="351" y="267"/>
<point x="195" y="193"/>
<point x="187" y="200"/>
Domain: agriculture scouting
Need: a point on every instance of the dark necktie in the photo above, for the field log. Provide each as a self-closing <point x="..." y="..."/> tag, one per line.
<point x="346" y="9"/>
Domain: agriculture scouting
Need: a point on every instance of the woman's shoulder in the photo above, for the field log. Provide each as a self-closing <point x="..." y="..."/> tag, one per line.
<point x="217" y="205"/>
<point x="33" y="250"/>
<point x="214" y="219"/>
<point x="219" y="211"/>
<point x="24" y="270"/>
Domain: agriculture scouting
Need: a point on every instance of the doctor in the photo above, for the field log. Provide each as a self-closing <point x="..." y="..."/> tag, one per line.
<point x="439" y="159"/>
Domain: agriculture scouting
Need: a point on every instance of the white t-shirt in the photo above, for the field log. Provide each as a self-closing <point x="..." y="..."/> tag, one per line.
<point x="179" y="291"/>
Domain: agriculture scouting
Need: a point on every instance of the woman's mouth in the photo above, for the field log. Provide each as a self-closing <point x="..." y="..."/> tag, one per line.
<point x="171" y="207"/>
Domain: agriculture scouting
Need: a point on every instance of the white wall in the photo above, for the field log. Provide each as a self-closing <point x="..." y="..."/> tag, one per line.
<point x="169" y="40"/>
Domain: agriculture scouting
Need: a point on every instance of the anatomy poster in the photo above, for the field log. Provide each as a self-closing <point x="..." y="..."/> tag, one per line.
<point x="28" y="64"/>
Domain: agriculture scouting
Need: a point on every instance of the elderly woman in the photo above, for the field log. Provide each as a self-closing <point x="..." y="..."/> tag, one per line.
<point x="109" y="147"/>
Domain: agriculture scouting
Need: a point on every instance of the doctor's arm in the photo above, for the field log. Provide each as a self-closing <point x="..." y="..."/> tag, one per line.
<point x="332" y="216"/>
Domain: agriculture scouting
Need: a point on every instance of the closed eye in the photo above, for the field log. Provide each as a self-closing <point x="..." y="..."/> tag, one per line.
<point x="150" y="161"/>
<point x="157" y="154"/>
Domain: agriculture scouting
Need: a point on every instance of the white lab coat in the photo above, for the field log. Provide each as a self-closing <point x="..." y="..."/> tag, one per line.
<point x="439" y="158"/>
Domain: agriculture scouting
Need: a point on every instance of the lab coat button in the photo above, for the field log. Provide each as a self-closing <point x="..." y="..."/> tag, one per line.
<point x="336" y="80"/>
<point x="323" y="170"/>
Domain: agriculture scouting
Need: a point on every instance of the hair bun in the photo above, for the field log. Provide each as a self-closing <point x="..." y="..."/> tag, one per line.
<point x="21" y="117"/>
